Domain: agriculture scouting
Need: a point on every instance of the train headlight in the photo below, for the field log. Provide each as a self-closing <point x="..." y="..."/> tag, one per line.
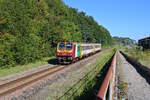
<point x="57" y="53"/>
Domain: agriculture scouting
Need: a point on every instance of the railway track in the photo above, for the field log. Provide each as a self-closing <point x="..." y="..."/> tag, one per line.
<point x="11" y="86"/>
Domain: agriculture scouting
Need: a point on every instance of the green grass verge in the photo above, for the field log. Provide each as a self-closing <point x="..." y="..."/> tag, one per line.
<point x="88" y="82"/>
<point x="19" y="68"/>
<point x="141" y="56"/>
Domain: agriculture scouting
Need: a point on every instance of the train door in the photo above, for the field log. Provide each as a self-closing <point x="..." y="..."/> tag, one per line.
<point x="79" y="50"/>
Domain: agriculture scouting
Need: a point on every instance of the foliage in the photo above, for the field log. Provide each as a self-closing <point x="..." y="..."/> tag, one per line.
<point x="123" y="86"/>
<point x="124" y="41"/>
<point x="31" y="29"/>
<point x="141" y="56"/>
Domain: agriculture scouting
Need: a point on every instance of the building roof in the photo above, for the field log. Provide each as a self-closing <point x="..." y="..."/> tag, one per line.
<point x="146" y="38"/>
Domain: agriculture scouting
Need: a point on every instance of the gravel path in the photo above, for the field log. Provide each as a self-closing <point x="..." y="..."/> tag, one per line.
<point x="138" y="88"/>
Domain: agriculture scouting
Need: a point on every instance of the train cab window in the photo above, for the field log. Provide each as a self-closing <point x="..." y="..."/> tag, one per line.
<point x="61" y="46"/>
<point x="69" y="46"/>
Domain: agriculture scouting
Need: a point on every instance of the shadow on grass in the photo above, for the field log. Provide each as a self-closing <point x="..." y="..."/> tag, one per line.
<point x="53" y="61"/>
<point x="141" y="69"/>
<point x="91" y="91"/>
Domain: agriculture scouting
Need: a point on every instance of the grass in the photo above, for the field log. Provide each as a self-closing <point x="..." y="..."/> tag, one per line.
<point x="142" y="56"/>
<point x="87" y="83"/>
<point x="91" y="80"/>
<point x="124" y="86"/>
<point x="20" y="68"/>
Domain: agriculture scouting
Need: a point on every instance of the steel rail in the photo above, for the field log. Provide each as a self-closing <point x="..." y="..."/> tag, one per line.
<point x="19" y="83"/>
<point x="23" y="81"/>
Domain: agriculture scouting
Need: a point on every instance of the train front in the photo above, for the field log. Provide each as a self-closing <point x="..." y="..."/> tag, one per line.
<point x="65" y="52"/>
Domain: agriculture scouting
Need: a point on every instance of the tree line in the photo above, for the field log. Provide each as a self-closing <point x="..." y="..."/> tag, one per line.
<point x="31" y="29"/>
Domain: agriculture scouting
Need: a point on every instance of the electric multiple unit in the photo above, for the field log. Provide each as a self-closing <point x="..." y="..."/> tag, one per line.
<point x="71" y="51"/>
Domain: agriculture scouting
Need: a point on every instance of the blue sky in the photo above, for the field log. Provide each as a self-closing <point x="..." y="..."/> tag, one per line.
<point x="126" y="18"/>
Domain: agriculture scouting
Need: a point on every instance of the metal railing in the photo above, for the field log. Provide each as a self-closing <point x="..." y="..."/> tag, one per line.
<point x="107" y="88"/>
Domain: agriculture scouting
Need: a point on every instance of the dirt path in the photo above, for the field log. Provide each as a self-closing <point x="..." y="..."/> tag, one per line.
<point x="138" y="88"/>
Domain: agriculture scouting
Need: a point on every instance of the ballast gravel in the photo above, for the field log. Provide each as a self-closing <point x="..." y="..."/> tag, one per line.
<point x="66" y="81"/>
<point x="51" y="87"/>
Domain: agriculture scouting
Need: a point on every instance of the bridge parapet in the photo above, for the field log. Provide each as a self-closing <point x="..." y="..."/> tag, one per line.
<point x="106" y="90"/>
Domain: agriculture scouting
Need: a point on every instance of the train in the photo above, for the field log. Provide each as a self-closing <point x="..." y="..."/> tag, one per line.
<point x="68" y="52"/>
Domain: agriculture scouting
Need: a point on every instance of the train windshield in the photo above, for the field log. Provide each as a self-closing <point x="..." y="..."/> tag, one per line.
<point x="68" y="46"/>
<point x="61" y="46"/>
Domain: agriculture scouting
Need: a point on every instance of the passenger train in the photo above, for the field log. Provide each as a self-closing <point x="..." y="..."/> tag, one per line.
<point x="68" y="52"/>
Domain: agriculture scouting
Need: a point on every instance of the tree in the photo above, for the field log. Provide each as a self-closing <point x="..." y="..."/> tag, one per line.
<point x="31" y="29"/>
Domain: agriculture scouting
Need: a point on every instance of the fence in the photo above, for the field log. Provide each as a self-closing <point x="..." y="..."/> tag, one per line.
<point x="107" y="88"/>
